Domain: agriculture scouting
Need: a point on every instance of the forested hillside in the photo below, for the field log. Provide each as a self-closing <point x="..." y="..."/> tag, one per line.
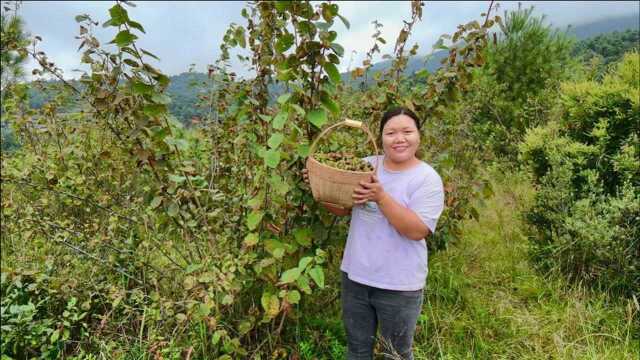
<point x="607" y="39"/>
<point x="127" y="234"/>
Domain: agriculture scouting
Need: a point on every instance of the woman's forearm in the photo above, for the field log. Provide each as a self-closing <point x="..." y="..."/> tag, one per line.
<point x="336" y="210"/>
<point x="404" y="220"/>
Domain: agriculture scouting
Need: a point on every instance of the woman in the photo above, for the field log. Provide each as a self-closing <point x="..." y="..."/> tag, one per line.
<point x="384" y="267"/>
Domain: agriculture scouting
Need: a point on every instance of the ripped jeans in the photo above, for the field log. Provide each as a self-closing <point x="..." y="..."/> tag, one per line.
<point x="364" y="307"/>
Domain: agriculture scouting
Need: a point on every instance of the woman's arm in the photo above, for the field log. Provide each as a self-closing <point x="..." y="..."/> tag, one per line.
<point x="403" y="219"/>
<point x="338" y="211"/>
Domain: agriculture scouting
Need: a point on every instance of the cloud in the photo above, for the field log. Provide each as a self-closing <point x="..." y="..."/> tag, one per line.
<point x="186" y="32"/>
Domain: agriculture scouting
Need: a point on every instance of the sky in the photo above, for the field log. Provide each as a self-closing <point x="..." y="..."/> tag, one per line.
<point x="190" y="32"/>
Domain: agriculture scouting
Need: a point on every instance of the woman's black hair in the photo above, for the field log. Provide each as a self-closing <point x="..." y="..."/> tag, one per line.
<point x="400" y="110"/>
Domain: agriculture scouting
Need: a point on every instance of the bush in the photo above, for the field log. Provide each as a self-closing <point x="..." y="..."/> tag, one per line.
<point x="586" y="217"/>
<point x="36" y="320"/>
<point x="524" y="69"/>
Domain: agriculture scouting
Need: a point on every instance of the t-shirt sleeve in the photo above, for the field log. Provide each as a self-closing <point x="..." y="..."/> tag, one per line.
<point x="428" y="201"/>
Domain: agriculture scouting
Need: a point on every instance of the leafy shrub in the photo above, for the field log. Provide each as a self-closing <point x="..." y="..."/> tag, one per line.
<point x="586" y="217"/>
<point x="514" y="90"/>
<point x="36" y="320"/>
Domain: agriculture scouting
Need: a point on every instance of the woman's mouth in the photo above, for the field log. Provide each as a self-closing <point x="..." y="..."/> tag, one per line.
<point x="399" y="148"/>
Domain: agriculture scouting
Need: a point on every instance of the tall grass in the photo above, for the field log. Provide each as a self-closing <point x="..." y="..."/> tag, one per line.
<point x="484" y="300"/>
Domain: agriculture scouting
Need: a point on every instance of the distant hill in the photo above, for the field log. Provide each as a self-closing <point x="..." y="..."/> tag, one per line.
<point x="591" y="29"/>
<point x="185" y="87"/>
<point x="581" y="32"/>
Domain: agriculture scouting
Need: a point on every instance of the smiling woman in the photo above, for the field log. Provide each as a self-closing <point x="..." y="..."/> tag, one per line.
<point x="385" y="259"/>
<point x="384" y="267"/>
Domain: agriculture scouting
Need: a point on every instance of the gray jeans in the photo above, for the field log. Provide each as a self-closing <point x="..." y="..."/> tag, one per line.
<point x="364" y="307"/>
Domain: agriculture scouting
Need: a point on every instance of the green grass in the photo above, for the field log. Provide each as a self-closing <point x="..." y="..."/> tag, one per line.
<point x="484" y="300"/>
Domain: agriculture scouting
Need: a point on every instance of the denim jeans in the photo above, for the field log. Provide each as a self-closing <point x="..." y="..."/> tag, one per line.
<point x="365" y="307"/>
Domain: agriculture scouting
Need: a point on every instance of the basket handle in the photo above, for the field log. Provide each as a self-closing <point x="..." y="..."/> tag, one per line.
<point x="350" y="123"/>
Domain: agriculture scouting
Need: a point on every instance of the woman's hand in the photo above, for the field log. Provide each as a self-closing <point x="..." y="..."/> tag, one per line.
<point x="305" y="175"/>
<point x="369" y="191"/>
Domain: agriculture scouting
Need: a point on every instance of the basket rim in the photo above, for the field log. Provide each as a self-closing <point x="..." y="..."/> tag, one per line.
<point x="338" y="169"/>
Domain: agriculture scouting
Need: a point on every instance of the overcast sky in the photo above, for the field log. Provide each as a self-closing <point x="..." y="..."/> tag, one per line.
<point x="189" y="32"/>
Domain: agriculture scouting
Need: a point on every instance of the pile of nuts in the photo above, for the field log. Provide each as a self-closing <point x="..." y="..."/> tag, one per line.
<point x="344" y="161"/>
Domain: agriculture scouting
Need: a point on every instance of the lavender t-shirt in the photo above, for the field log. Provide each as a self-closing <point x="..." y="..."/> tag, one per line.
<point x="376" y="254"/>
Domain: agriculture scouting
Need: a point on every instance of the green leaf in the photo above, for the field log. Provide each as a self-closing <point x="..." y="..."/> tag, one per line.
<point x="251" y="239"/>
<point x="178" y="179"/>
<point x="123" y="38"/>
<point x="136" y="25"/>
<point x="118" y="15"/>
<point x="283" y="98"/>
<point x="303" y="150"/>
<point x="162" y="80"/>
<point x="279" y="120"/>
<point x="332" y="71"/>
<point x="282" y="5"/>
<point x="293" y="297"/>
<point x="331" y="105"/>
<point x="284" y="42"/>
<point x="303" y="236"/>
<point x="55" y="336"/>
<point x="215" y="339"/>
<point x="303" y="284"/>
<point x="290" y="275"/>
<point x="271" y="304"/>
<point x="304" y="262"/>
<point x="81" y="18"/>
<point x="173" y="209"/>
<point x="141" y="88"/>
<point x="131" y="63"/>
<point x="256" y="200"/>
<point x="154" y="109"/>
<point x="279" y="184"/>
<point x="161" y="99"/>
<point x="317" y="117"/>
<point x="191" y="268"/>
<point x="307" y="28"/>
<point x="323" y="25"/>
<point x="149" y="54"/>
<point x="156" y="202"/>
<point x="266" y="118"/>
<point x="298" y="109"/>
<point x="272" y="158"/>
<point x="344" y="21"/>
<point x="239" y="36"/>
<point x="254" y="218"/>
<point x="275" y="140"/>
<point x="338" y="49"/>
<point x="278" y="253"/>
<point x="244" y="327"/>
<point x="317" y="275"/>
<point x="206" y="277"/>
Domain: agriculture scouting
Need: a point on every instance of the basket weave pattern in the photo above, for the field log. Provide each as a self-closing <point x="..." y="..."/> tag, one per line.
<point x="331" y="185"/>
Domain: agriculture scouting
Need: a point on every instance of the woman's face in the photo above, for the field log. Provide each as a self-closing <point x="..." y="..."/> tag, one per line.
<point x="400" y="138"/>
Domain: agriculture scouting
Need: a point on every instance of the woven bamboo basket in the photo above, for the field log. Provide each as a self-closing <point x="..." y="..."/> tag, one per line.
<point x="334" y="186"/>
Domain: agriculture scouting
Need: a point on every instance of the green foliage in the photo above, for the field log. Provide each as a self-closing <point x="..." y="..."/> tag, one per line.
<point x="528" y="56"/>
<point x="586" y="214"/>
<point x="203" y="241"/>
<point x="524" y="69"/>
<point x="36" y="321"/>
<point x="606" y="49"/>
<point x="13" y="38"/>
